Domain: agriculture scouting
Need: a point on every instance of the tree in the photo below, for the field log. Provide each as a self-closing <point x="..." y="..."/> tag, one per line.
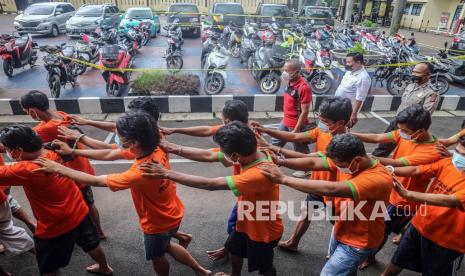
<point x="399" y="7"/>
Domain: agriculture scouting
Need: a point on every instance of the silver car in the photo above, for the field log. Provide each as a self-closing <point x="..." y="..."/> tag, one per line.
<point x="91" y="16"/>
<point x="44" y="18"/>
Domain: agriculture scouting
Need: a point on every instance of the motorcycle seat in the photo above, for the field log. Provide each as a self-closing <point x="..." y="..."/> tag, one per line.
<point x="21" y="43"/>
<point x="456" y="63"/>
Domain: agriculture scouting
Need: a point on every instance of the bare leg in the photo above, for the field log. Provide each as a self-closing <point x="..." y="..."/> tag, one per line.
<point x="181" y="255"/>
<point x="101" y="266"/>
<point x="293" y="243"/>
<point x="23" y="216"/>
<point x="95" y="217"/>
<point x="183" y="238"/>
<point x="218" y="254"/>
<point x="391" y="270"/>
<point x="161" y="266"/>
<point x="236" y="264"/>
<point x="4" y="272"/>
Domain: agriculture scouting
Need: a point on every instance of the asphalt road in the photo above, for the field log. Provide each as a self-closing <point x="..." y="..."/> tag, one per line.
<point x="91" y="84"/>
<point x="205" y="218"/>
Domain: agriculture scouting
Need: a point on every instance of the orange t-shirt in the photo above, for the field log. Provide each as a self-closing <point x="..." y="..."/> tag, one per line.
<point x="127" y="154"/>
<point x="444" y="226"/>
<point x="3" y="196"/>
<point x="370" y="186"/>
<point x="412" y="153"/>
<point x="321" y="140"/>
<point x="252" y="186"/>
<point x="155" y="200"/>
<point x="56" y="201"/>
<point x="48" y="131"/>
<point x="214" y="129"/>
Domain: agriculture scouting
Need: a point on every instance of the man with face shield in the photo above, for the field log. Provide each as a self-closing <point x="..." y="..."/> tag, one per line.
<point x="418" y="92"/>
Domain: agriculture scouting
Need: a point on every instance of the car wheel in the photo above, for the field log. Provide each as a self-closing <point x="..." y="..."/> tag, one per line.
<point x="158" y="28"/>
<point x="196" y="33"/>
<point x="55" y="32"/>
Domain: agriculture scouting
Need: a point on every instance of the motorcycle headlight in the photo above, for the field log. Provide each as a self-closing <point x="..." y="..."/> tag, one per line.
<point x="327" y="63"/>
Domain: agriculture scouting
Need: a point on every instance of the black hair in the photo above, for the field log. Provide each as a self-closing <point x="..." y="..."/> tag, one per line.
<point x="429" y="65"/>
<point x="415" y="117"/>
<point x="462" y="140"/>
<point x="463" y="125"/>
<point x="19" y="136"/>
<point x="236" y="110"/>
<point x="35" y="99"/>
<point x="139" y="127"/>
<point x="236" y="137"/>
<point x="336" y="109"/>
<point x="345" y="147"/>
<point x="358" y="57"/>
<point x="145" y="104"/>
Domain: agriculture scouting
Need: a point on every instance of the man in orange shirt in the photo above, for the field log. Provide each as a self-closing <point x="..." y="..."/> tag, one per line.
<point x="415" y="145"/>
<point x="159" y="209"/>
<point x="35" y="103"/>
<point x="57" y="204"/>
<point x="433" y="243"/>
<point x="252" y="238"/>
<point x="364" y="184"/>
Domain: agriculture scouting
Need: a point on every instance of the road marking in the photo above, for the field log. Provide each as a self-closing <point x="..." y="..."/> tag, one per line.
<point x="374" y="114"/>
<point x="109" y="137"/>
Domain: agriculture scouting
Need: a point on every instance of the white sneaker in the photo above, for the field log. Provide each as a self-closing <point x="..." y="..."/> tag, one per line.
<point x="301" y="174"/>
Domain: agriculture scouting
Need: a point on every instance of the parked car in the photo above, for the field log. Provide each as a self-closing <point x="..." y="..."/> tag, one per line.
<point x="188" y="15"/>
<point x="458" y="45"/>
<point x="317" y="15"/>
<point x="279" y="12"/>
<point x="134" y="16"/>
<point x="89" y="17"/>
<point x="230" y="11"/>
<point x="44" y="18"/>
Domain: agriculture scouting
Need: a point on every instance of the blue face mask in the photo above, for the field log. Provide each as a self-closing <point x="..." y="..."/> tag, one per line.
<point x="324" y="127"/>
<point x="118" y="142"/>
<point x="405" y="135"/>
<point x="458" y="161"/>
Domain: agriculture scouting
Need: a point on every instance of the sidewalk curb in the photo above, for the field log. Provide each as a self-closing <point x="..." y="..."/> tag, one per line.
<point x="210" y="104"/>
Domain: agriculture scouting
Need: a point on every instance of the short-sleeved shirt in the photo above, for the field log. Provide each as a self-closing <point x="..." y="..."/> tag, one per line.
<point x="373" y="187"/>
<point x="412" y="153"/>
<point x="252" y="187"/>
<point x="56" y="201"/>
<point x="321" y="140"/>
<point x="3" y="196"/>
<point x="214" y="129"/>
<point x="423" y="95"/>
<point x="355" y="85"/>
<point x="48" y="131"/>
<point x="157" y="205"/>
<point x="444" y="226"/>
<point x="291" y="105"/>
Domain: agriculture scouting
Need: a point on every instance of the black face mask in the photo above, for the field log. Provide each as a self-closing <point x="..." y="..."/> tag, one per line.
<point x="348" y="67"/>
<point x="416" y="79"/>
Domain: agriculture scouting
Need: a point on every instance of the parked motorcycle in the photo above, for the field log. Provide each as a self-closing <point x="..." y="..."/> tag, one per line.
<point x="115" y="57"/>
<point x="233" y="38"/>
<point x="316" y="71"/>
<point x="216" y="61"/>
<point x="17" y="51"/>
<point x="61" y="69"/>
<point x="87" y="50"/>
<point x="173" y="55"/>
<point x="250" y="43"/>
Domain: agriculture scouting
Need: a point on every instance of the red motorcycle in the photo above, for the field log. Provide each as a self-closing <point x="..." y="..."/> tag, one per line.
<point x="115" y="58"/>
<point x="17" y="51"/>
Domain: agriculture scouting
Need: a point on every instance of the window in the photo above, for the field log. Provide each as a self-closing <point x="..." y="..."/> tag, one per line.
<point x="108" y="10"/>
<point x="115" y="9"/>
<point x="407" y="9"/>
<point x="416" y="9"/>
<point x="68" y="8"/>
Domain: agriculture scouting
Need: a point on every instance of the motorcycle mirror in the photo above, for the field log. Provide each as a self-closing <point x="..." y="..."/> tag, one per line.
<point x="412" y="34"/>
<point x="383" y="32"/>
<point x="446" y="44"/>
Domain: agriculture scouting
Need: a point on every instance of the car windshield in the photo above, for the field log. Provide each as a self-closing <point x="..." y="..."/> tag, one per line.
<point x="228" y="9"/>
<point x="39" y="10"/>
<point x="90" y="11"/>
<point x="319" y="13"/>
<point x="142" y="14"/>
<point x="184" y="8"/>
<point x="275" y="11"/>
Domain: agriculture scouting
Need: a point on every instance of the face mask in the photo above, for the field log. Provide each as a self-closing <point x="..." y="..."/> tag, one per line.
<point x="33" y="115"/>
<point x="324" y="127"/>
<point x="405" y="136"/>
<point x="229" y="159"/>
<point x="119" y="143"/>
<point x="416" y="79"/>
<point x="10" y="155"/>
<point x="285" y="76"/>
<point x="458" y="161"/>
<point x="347" y="170"/>
<point x="348" y="67"/>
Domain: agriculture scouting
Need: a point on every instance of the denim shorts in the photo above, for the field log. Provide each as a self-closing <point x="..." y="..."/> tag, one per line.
<point x="156" y="245"/>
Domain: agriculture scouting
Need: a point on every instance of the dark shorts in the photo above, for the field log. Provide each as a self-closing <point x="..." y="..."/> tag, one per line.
<point x="232" y="219"/>
<point x="88" y="196"/>
<point x="56" y="252"/>
<point x="314" y="198"/>
<point x="259" y="254"/>
<point x="156" y="245"/>
<point x="399" y="218"/>
<point x="422" y="255"/>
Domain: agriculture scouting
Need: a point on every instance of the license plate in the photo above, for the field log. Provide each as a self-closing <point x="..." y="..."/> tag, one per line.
<point x="185" y="28"/>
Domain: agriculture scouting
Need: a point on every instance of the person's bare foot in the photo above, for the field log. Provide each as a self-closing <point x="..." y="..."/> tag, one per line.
<point x="2" y="249"/>
<point x="95" y="269"/>
<point x="221" y="274"/>
<point x="396" y="239"/>
<point x="218" y="254"/>
<point x="368" y="262"/>
<point x="102" y="236"/>
<point x="185" y="240"/>
<point x="287" y="246"/>
<point x="206" y="272"/>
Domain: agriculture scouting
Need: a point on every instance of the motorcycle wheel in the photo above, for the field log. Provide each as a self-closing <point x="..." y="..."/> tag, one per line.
<point x="396" y="84"/>
<point x="270" y="83"/>
<point x="114" y="90"/>
<point x="214" y="84"/>
<point x="145" y="40"/>
<point x="321" y="83"/>
<point x="235" y="51"/>
<point x="55" y="86"/>
<point x="8" y="68"/>
<point x="174" y="63"/>
<point x="81" y="68"/>
<point x="250" y="62"/>
<point x="441" y="85"/>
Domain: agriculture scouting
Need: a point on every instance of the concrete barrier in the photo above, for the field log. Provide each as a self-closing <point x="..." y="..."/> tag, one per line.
<point x="208" y="104"/>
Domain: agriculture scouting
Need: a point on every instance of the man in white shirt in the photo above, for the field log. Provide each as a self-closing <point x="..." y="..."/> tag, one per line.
<point x="355" y="84"/>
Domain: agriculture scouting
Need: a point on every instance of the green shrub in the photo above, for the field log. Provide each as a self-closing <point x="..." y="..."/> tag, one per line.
<point x="161" y="83"/>
<point x="358" y="48"/>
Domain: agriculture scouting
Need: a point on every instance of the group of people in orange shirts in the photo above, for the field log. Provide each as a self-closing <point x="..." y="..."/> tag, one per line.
<point x="420" y="190"/>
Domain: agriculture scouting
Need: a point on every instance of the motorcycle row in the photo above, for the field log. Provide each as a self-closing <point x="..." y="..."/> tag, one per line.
<point x="114" y="49"/>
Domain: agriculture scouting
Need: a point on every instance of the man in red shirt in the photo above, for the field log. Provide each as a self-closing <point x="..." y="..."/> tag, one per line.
<point x="297" y="99"/>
